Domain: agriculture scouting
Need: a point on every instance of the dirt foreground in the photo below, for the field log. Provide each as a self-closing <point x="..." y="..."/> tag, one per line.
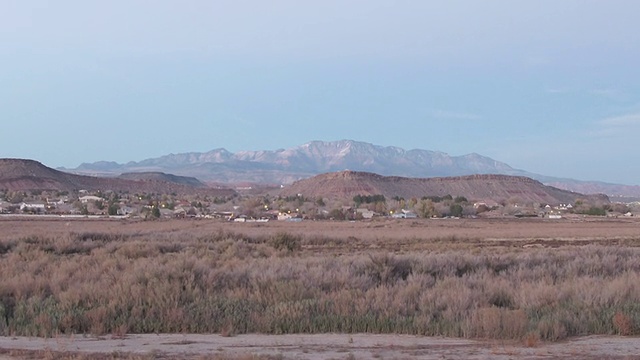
<point x="318" y="346"/>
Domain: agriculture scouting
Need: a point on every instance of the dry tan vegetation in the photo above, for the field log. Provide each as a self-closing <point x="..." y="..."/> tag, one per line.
<point x="527" y="281"/>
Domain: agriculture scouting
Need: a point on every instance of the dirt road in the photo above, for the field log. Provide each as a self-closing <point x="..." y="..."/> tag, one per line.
<point x="323" y="346"/>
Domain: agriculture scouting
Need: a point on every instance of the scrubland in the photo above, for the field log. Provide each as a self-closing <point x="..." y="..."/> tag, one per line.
<point x="205" y="277"/>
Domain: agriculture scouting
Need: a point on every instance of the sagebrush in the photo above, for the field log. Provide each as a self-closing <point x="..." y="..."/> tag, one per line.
<point x="113" y="283"/>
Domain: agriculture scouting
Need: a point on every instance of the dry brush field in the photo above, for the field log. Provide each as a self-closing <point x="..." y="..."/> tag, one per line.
<point x="520" y="280"/>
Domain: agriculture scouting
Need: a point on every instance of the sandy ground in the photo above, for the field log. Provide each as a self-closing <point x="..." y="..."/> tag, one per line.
<point x="326" y="346"/>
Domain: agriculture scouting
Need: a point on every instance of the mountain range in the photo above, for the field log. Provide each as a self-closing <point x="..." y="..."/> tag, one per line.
<point x="284" y="166"/>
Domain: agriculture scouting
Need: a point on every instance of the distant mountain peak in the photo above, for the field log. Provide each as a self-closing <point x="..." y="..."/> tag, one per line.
<point x="311" y="158"/>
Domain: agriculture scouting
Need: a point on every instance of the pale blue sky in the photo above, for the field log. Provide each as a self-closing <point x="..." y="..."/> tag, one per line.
<point x="551" y="87"/>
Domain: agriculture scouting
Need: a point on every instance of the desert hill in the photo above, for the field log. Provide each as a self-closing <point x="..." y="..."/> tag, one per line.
<point x="346" y="184"/>
<point x="23" y="175"/>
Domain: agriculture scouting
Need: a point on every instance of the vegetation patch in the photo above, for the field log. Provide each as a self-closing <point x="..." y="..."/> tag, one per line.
<point x="279" y="283"/>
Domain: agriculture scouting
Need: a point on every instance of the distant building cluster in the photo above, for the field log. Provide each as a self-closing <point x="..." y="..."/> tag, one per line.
<point x="261" y="208"/>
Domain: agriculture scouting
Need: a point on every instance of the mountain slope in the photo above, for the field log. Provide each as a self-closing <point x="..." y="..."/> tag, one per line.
<point x="346" y="184"/>
<point x="160" y="176"/>
<point x="23" y="175"/>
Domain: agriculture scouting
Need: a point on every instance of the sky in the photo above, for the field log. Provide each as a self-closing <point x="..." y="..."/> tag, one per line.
<point x="551" y="87"/>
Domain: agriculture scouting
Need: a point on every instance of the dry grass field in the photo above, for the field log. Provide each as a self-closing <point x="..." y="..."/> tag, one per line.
<point x="524" y="281"/>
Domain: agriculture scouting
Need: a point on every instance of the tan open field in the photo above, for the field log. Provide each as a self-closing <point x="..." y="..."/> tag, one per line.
<point x="447" y="288"/>
<point x="391" y="234"/>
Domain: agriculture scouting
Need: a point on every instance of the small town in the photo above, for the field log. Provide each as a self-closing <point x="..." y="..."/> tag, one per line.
<point x="251" y="208"/>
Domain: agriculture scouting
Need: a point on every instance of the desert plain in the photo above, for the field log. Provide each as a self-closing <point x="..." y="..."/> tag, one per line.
<point x="387" y="288"/>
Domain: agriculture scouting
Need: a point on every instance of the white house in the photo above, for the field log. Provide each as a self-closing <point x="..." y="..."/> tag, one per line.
<point x="405" y="214"/>
<point x="39" y="207"/>
<point x="366" y="213"/>
<point x="85" y="199"/>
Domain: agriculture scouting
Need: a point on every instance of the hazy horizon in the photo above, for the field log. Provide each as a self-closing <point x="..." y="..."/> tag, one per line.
<point x="548" y="87"/>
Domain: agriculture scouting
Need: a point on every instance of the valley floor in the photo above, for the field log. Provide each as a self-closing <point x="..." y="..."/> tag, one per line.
<point x="382" y="232"/>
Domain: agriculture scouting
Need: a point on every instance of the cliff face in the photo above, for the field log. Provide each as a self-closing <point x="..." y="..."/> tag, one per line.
<point x="346" y="184"/>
